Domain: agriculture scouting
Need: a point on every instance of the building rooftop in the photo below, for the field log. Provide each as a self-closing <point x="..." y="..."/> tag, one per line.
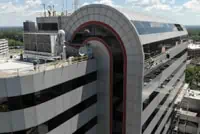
<point x="14" y="67"/>
<point x="194" y="46"/>
<point x="188" y="113"/>
<point x="193" y="94"/>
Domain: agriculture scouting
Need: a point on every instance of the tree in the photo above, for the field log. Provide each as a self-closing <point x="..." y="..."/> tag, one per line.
<point x="192" y="74"/>
<point x="13" y="35"/>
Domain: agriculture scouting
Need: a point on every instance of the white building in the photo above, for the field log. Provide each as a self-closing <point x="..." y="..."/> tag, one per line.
<point x="194" y="50"/>
<point x="3" y="47"/>
<point x="129" y="87"/>
<point x="188" y="117"/>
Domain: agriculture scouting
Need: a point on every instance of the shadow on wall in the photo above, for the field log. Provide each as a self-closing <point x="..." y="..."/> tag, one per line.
<point x="102" y="88"/>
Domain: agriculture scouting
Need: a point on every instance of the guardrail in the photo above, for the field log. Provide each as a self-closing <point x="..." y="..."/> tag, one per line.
<point x="161" y="58"/>
<point x="42" y="67"/>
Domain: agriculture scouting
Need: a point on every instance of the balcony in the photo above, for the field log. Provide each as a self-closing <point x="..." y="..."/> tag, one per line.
<point x="159" y="59"/>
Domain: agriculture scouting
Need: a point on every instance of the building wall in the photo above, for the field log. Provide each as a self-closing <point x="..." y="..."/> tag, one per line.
<point x="102" y="57"/>
<point x="159" y="99"/>
<point x="63" y="112"/>
<point x="194" y="104"/>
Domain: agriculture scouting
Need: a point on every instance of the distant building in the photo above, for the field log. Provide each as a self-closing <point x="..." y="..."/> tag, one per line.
<point x="194" y="50"/>
<point x="4" y="47"/>
<point x="187" y="118"/>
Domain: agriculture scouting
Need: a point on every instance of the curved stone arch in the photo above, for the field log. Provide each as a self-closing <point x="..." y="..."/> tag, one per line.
<point x="133" y="51"/>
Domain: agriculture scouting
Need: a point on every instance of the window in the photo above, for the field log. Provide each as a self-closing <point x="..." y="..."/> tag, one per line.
<point x="48" y="26"/>
<point x="155" y="73"/>
<point x="63" y="117"/>
<point x="15" y="103"/>
<point x="151" y="117"/>
<point x="178" y="26"/>
<point x="29" y="100"/>
<point x="155" y="27"/>
<point x="3" y="104"/>
<point x="87" y="126"/>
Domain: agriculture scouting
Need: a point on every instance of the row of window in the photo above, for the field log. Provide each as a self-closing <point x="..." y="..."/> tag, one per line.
<point x="48" y="26"/>
<point x="29" y="100"/>
<point x="151" y="117"/>
<point x="153" y="95"/>
<point x="153" y="74"/>
<point x="157" y="48"/>
<point x="55" y="122"/>
<point x="162" y="117"/>
<point x="148" y="121"/>
<point x="172" y="115"/>
<point x="144" y="27"/>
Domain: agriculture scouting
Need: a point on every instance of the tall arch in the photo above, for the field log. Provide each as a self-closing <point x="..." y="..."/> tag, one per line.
<point x="132" y="54"/>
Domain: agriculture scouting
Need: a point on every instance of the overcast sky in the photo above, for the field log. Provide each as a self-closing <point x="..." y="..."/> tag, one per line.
<point x="187" y="12"/>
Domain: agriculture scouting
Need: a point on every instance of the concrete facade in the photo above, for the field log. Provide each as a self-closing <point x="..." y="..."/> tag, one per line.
<point x="31" y="117"/>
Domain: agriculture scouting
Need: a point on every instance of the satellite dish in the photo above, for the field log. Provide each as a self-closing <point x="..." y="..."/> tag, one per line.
<point x="83" y="51"/>
<point x="86" y="50"/>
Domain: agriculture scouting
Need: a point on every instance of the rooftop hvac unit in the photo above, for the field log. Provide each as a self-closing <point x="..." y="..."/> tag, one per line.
<point x="39" y="44"/>
<point x="29" y="26"/>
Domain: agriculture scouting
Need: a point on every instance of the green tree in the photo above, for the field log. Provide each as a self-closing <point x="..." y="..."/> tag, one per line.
<point x="14" y="36"/>
<point x="193" y="76"/>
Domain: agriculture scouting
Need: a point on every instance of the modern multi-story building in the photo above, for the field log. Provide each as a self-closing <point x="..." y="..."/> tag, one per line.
<point x="128" y="86"/>
<point x="187" y="118"/>
<point x="3" y="47"/>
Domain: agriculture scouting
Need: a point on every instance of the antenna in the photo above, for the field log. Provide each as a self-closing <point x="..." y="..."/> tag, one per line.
<point x="49" y="10"/>
<point x="63" y="4"/>
<point x="54" y="11"/>
<point x="76" y="4"/>
<point x="44" y="6"/>
<point x="66" y="7"/>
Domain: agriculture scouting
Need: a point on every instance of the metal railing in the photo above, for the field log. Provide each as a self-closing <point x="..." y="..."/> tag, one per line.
<point x="41" y="67"/>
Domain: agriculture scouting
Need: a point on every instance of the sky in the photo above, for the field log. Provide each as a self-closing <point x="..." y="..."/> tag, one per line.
<point x="187" y="12"/>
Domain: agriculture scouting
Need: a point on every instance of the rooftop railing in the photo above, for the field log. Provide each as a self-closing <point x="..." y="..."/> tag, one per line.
<point x="5" y="73"/>
<point x="160" y="58"/>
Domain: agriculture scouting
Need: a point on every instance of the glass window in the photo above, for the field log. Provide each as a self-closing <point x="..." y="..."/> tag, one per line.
<point x="28" y="100"/>
<point x="87" y="126"/>
<point x="155" y="27"/>
<point x="179" y="27"/>
<point x="3" y="105"/>
<point x="48" y="26"/>
<point x="15" y="103"/>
